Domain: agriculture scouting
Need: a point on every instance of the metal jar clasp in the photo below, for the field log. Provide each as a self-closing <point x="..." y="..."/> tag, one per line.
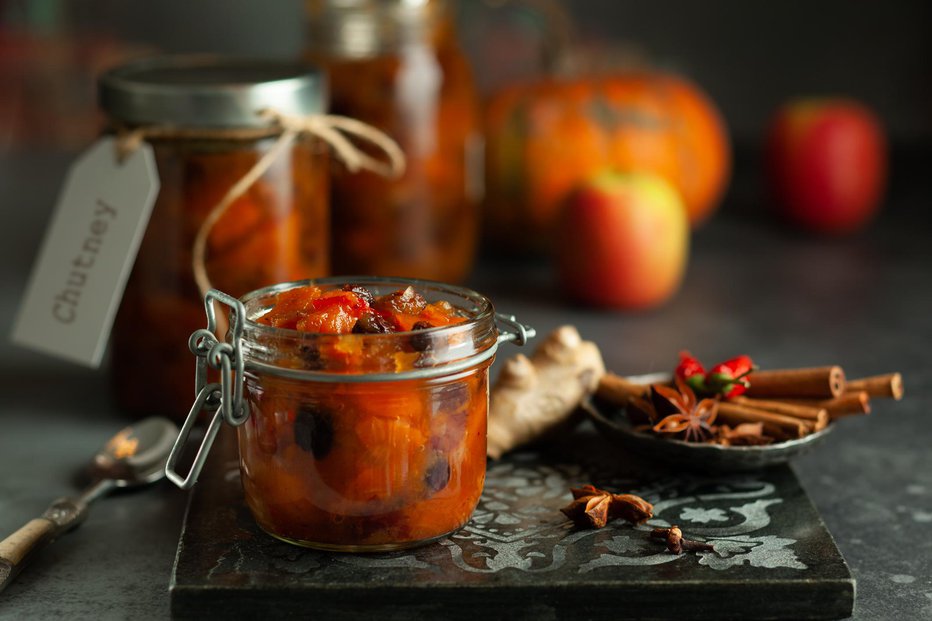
<point x="513" y="330"/>
<point x="224" y="399"/>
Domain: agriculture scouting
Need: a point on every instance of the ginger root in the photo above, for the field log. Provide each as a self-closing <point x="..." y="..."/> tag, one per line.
<point x="534" y="395"/>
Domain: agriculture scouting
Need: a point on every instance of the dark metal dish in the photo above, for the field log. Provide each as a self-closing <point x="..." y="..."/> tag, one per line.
<point x="613" y="422"/>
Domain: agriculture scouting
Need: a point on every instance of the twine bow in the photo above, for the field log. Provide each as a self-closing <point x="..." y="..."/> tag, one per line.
<point x="333" y="129"/>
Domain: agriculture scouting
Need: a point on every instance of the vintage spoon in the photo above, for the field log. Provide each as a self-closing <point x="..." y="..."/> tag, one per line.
<point x="133" y="457"/>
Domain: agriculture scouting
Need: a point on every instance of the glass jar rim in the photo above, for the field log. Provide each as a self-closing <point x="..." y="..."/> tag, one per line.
<point x="486" y="310"/>
<point x="361" y="29"/>
<point x="477" y="337"/>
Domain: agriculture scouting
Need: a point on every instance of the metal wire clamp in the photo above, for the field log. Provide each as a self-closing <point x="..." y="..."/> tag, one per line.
<point x="224" y="399"/>
<point x="515" y="330"/>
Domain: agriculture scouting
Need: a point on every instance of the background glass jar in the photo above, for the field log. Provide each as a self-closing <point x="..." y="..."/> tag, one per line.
<point x="366" y="442"/>
<point x="396" y="64"/>
<point x="277" y="231"/>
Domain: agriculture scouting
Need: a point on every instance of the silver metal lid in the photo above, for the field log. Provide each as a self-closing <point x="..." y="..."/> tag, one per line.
<point x="357" y="29"/>
<point x="209" y="91"/>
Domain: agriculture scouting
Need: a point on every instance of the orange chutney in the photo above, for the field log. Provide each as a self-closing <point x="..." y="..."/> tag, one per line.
<point x="337" y="453"/>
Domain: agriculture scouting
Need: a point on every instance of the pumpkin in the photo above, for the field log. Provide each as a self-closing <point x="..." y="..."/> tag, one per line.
<point x="546" y="137"/>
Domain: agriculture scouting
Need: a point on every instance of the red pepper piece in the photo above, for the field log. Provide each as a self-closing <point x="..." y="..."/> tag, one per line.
<point x="734" y="389"/>
<point x="691" y="371"/>
<point x="727" y="378"/>
<point x="347" y="299"/>
<point x="736" y="368"/>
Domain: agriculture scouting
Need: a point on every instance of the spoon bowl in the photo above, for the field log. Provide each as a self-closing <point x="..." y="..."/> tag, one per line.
<point x="136" y="455"/>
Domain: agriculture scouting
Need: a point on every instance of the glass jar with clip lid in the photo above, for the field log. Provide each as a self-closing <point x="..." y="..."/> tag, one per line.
<point x="360" y="406"/>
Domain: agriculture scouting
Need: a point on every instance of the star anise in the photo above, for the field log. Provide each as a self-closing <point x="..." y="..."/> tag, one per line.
<point x="594" y="508"/>
<point x="692" y="419"/>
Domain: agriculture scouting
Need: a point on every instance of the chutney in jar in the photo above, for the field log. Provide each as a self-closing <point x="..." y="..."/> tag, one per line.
<point x="199" y="117"/>
<point x="397" y="66"/>
<point x="367" y="405"/>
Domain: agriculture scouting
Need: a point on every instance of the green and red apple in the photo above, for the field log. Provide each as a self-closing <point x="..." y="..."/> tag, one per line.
<point x="827" y="164"/>
<point x="623" y="241"/>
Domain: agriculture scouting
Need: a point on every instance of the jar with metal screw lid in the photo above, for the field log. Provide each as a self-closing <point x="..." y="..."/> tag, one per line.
<point x="396" y="64"/>
<point x="200" y="116"/>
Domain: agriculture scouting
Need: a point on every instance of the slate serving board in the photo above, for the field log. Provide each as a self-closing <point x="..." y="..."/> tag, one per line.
<point x="518" y="557"/>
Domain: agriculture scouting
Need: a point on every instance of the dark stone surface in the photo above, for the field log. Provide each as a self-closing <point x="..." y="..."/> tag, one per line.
<point x="519" y="557"/>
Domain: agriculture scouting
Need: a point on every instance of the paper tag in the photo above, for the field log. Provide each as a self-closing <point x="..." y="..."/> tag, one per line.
<point x="87" y="254"/>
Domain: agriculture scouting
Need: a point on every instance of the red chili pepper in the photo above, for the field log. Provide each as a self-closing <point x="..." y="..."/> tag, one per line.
<point x="727" y="378"/>
<point x="733" y="389"/>
<point x="691" y="371"/>
<point x="735" y="368"/>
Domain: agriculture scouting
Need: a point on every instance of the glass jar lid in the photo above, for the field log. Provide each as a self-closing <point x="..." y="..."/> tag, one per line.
<point x="356" y="29"/>
<point x="210" y="91"/>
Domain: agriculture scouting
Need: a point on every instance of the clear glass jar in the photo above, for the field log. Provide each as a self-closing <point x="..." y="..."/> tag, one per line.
<point x="396" y="64"/>
<point x="360" y="442"/>
<point x="362" y="461"/>
<point x="278" y="230"/>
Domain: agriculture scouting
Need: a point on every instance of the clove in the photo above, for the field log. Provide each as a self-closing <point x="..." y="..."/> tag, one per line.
<point x="676" y="543"/>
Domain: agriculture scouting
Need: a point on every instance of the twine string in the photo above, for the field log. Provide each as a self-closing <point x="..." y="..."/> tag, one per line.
<point x="335" y="130"/>
<point x="199" y="250"/>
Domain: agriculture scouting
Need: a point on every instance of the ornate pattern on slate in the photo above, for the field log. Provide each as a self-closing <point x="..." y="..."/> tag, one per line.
<point x="517" y="526"/>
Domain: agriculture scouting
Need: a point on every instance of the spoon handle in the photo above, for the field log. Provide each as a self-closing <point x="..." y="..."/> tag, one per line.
<point x="18" y="549"/>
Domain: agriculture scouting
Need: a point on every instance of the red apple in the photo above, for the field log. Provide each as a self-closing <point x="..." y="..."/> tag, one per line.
<point x="623" y="241"/>
<point x="827" y="163"/>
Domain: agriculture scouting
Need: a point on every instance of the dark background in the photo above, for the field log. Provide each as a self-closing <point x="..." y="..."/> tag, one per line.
<point x="749" y="56"/>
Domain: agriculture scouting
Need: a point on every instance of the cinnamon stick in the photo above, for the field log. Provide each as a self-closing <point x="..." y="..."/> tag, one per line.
<point x="619" y="391"/>
<point x="817" y="416"/>
<point x="845" y="405"/>
<point x="776" y="424"/>
<point x="888" y="386"/>
<point x="817" y="382"/>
